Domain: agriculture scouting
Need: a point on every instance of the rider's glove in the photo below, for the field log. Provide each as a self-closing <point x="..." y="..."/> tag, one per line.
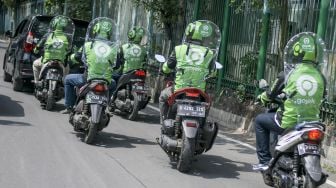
<point x="263" y="98"/>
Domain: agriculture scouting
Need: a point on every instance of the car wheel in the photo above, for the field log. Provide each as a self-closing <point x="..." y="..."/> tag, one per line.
<point x="7" y="77"/>
<point x="17" y="81"/>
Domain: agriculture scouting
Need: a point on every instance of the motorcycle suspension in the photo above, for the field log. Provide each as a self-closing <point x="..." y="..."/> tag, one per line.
<point x="296" y="167"/>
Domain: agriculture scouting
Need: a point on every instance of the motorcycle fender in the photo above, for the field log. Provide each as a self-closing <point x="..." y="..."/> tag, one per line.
<point x="190" y="127"/>
<point x="96" y="111"/>
<point x="52" y="85"/>
<point x="312" y="165"/>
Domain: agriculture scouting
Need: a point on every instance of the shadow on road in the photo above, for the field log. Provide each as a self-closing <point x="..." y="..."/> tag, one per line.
<point x="112" y="140"/>
<point x="13" y="123"/>
<point x="211" y="167"/>
<point x="148" y="118"/>
<point x="10" y="107"/>
<point x="239" y="148"/>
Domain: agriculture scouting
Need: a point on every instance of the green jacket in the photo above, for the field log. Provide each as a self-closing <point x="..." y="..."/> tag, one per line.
<point x="192" y="66"/>
<point x="55" y="46"/>
<point x="99" y="57"/>
<point x="305" y="88"/>
<point x="134" y="56"/>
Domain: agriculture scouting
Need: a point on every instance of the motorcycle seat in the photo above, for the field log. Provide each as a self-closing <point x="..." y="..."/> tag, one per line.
<point x="310" y="124"/>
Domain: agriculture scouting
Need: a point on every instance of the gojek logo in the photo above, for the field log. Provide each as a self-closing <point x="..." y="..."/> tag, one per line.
<point x="102" y="50"/>
<point x="306" y="85"/>
<point x="57" y="43"/>
<point x="195" y="56"/>
<point x="135" y="51"/>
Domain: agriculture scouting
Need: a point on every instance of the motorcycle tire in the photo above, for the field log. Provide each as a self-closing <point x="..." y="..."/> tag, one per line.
<point x="50" y="100"/>
<point x="186" y="154"/>
<point x="134" y="113"/>
<point x="90" y="133"/>
<point x="309" y="183"/>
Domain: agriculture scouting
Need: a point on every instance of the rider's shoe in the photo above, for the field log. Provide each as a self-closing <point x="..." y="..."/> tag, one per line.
<point x="66" y="111"/>
<point x="260" y="167"/>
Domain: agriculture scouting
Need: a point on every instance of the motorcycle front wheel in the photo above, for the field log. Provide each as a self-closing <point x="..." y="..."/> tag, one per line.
<point x="186" y="154"/>
<point x="90" y="133"/>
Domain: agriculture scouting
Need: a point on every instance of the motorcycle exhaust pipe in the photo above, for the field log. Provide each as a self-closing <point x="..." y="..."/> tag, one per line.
<point x="168" y="143"/>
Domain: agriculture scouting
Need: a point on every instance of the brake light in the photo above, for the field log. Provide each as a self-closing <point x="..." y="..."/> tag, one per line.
<point x="99" y="88"/>
<point x="191" y="124"/>
<point x="28" y="46"/>
<point x="140" y="73"/>
<point x="315" y="135"/>
<point x="192" y="93"/>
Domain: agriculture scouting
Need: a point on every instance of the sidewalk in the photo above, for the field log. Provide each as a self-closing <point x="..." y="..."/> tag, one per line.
<point x="4" y="43"/>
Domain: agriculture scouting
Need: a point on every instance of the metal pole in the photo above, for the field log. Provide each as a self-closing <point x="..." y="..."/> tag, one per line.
<point x="263" y="43"/>
<point x="196" y="10"/>
<point x="323" y="18"/>
<point x="93" y="9"/>
<point x="224" y="43"/>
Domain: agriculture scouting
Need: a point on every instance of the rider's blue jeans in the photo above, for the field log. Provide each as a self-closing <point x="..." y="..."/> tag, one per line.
<point x="264" y="125"/>
<point x="77" y="80"/>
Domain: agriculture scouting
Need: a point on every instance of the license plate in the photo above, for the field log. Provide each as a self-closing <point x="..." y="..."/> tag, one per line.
<point x="306" y="148"/>
<point x="96" y="99"/>
<point x="189" y="110"/>
<point x="52" y="76"/>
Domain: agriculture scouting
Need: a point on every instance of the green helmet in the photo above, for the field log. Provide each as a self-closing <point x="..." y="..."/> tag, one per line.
<point x="305" y="48"/>
<point x="135" y="34"/>
<point x="198" y="31"/>
<point x="102" y="29"/>
<point x="59" y="23"/>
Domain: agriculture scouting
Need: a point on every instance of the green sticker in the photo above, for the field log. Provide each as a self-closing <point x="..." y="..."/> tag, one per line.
<point x="205" y="30"/>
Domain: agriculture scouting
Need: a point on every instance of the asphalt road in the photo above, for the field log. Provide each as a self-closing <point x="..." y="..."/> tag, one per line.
<point x="39" y="149"/>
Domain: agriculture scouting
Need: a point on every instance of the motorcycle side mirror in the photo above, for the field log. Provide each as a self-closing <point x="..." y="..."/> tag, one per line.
<point x="263" y="84"/>
<point x="218" y="65"/>
<point x="160" y="58"/>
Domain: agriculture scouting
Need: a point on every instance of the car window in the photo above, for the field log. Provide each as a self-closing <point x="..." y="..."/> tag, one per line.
<point x="40" y="26"/>
<point x="80" y="32"/>
<point x="19" y="28"/>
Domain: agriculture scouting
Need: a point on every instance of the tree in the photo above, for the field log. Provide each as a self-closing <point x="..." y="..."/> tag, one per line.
<point x="80" y="9"/>
<point x="164" y="12"/>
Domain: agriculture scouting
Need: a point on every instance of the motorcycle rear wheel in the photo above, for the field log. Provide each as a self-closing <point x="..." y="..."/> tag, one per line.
<point x="90" y="133"/>
<point x="309" y="183"/>
<point x="50" y="100"/>
<point x="186" y="155"/>
<point x="135" y="109"/>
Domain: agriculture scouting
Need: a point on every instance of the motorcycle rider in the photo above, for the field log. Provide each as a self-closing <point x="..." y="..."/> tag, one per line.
<point x="192" y="62"/>
<point x="134" y="54"/>
<point x="54" y="46"/>
<point x="304" y="86"/>
<point x="97" y="65"/>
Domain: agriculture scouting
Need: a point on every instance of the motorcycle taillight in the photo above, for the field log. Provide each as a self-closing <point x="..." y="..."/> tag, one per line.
<point x="313" y="135"/>
<point x="99" y="88"/>
<point x="28" y="45"/>
<point x="140" y="73"/>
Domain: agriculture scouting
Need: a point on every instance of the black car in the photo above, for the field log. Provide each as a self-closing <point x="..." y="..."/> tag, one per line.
<point x="19" y="58"/>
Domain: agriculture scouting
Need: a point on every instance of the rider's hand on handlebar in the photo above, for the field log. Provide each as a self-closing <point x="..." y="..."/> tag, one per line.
<point x="263" y="98"/>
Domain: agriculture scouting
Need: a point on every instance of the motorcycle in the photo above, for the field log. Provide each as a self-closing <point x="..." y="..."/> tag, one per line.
<point x="185" y="131"/>
<point x="50" y="88"/>
<point x="89" y="115"/>
<point x="296" y="154"/>
<point x="131" y="94"/>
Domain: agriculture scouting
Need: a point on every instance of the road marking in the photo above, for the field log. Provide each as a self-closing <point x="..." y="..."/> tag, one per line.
<point x="239" y="142"/>
<point x="153" y="108"/>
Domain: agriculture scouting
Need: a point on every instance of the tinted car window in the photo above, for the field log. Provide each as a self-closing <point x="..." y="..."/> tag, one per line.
<point x="40" y="26"/>
<point x="80" y="32"/>
<point x="19" y="28"/>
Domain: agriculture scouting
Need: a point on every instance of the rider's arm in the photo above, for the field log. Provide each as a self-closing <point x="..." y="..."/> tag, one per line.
<point x="277" y="86"/>
<point x="76" y="58"/>
<point x="120" y="59"/>
<point x="170" y="64"/>
<point x="40" y="44"/>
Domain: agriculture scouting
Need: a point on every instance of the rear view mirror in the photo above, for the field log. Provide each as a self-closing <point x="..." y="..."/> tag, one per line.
<point x="218" y="65"/>
<point x="160" y="58"/>
<point x="8" y="34"/>
<point x="263" y="84"/>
